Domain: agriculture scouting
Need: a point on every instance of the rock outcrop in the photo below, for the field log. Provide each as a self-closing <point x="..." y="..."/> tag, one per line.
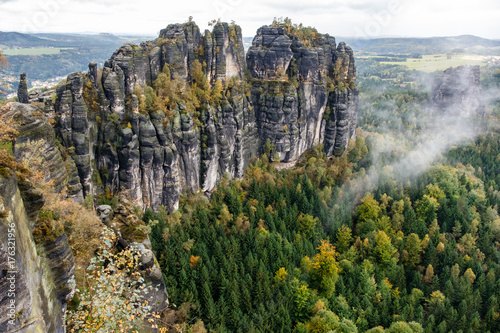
<point x="132" y="231"/>
<point x="36" y="280"/>
<point x="37" y="261"/>
<point x="73" y="126"/>
<point x="303" y="95"/>
<point x="175" y="114"/>
<point x="22" y="90"/>
<point x="36" y="144"/>
<point x="44" y="275"/>
<point x="457" y="92"/>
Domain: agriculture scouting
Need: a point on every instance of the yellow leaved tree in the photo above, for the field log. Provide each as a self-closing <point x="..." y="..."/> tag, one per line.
<point x="324" y="268"/>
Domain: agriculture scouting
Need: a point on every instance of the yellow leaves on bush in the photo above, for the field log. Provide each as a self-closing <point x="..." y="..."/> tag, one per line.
<point x="82" y="226"/>
<point x="115" y="294"/>
<point x="7" y="132"/>
<point x="91" y="98"/>
<point x="8" y="165"/>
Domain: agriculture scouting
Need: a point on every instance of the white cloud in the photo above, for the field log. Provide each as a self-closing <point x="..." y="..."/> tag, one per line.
<point x="336" y="17"/>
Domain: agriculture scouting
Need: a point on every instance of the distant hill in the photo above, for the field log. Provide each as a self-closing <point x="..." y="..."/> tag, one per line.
<point x="21" y="40"/>
<point x="45" y="56"/>
<point x="431" y="45"/>
<point x="16" y="39"/>
<point x="69" y="40"/>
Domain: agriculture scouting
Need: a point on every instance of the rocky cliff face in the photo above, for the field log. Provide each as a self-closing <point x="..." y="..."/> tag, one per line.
<point x="37" y="143"/>
<point x="171" y="115"/>
<point x="148" y="126"/>
<point x="303" y="95"/>
<point x="39" y="277"/>
<point x="44" y="278"/>
<point x="457" y="91"/>
<point x="37" y="263"/>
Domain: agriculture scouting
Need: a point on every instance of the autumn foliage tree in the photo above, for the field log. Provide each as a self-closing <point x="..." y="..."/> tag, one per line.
<point x="3" y="63"/>
<point x="282" y="251"/>
<point x="3" y="60"/>
<point x="114" y="297"/>
<point x="325" y="268"/>
<point x="8" y="165"/>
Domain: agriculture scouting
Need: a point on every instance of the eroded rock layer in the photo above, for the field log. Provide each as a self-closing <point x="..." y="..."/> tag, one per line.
<point x="177" y="113"/>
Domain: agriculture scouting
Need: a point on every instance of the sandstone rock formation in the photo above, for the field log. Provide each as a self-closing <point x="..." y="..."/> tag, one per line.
<point x="132" y="231"/>
<point x="22" y="91"/>
<point x="43" y="262"/>
<point x="303" y="95"/>
<point x="43" y="273"/>
<point x="37" y="141"/>
<point x="293" y="92"/>
<point x="164" y="117"/>
<point x="457" y="92"/>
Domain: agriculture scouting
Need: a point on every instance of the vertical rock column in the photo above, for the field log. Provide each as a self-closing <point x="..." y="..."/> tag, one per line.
<point x="222" y="133"/>
<point x="22" y="91"/>
<point x="73" y="126"/>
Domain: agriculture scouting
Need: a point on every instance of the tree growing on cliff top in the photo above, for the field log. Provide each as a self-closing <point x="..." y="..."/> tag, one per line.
<point x="304" y="34"/>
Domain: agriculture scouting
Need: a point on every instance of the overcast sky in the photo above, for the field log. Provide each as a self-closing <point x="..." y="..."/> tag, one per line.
<point x="362" y="18"/>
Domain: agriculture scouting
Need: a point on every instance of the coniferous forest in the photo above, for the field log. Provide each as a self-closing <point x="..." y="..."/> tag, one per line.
<point x="309" y="250"/>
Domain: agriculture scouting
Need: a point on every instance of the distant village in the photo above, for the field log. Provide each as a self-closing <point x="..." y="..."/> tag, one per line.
<point x="40" y="85"/>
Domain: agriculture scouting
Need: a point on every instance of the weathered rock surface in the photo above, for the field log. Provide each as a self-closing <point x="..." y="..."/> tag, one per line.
<point x="116" y="135"/>
<point x="457" y="91"/>
<point x="179" y="47"/>
<point x="37" y="144"/>
<point x="297" y="94"/>
<point x="270" y="54"/>
<point x="132" y="231"/>
<point x="73" y="126"/>
<point x="22" y="91"/>
<point x="319" y="107"/>
<point x="45" y="270"/>
<point x="105" y="213"/>
<point x="43" y="273"/>
<point x="224" y="52"/>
